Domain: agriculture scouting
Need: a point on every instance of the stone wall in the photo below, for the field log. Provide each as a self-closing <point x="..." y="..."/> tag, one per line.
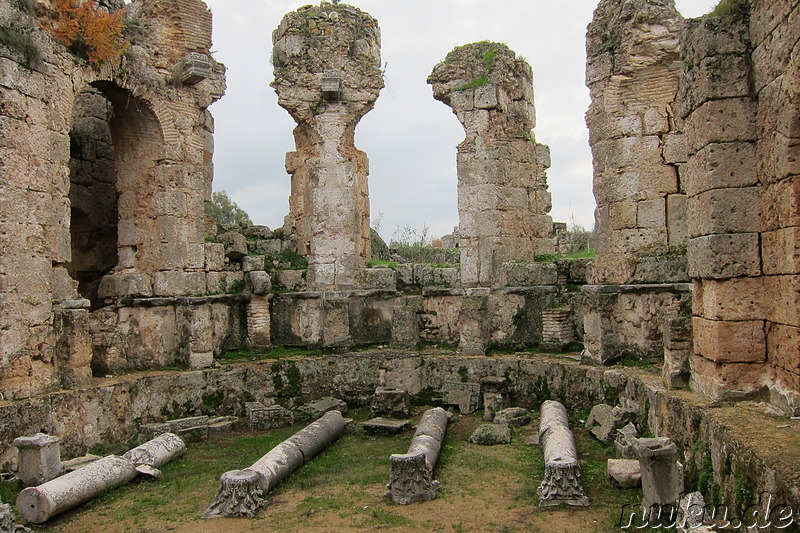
<point x="104" y="174"/>
<point x="633" y="69"/>
<point x="724" y="445"/>
<point x="742" y="116"/>
<point x="327" y="76"/>
<point x="502" y="185"/>
<point x="728" y="184"/>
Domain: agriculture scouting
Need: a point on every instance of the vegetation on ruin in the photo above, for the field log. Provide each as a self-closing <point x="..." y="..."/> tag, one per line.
<point x="225" y="211"/>
<point x="89" y="32"/>
<point x="18" y="40"/>
<point x="736" y="8"/>
<point x="486" y="52"/>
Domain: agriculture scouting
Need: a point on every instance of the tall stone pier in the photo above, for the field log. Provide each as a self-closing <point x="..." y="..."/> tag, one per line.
<point x="633" y="71"/>
<point x="502" y="185"/>
<point x="327" y="76"/>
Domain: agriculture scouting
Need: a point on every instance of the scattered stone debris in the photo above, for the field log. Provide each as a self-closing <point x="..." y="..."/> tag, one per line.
<point x="562" y="471"/>
<point x="411" y="478"/>
<point x="491" y="434"/>
<point x="662" y="473"/>
<point x="386" y="426"/>
<point x="604" y="421"/>
<point x="625" y="473"/>
<point x="191" y="429"/>
<point x="513" y="416"/>
<point x="8" y="523"/>
<point x="241" y="492"/>
<point x="624" y="443"/>
<point x="261" y="418"/>
<point x="466" y="395"/>
<point x="318" y="408"/>
<point x="391" y="402"/>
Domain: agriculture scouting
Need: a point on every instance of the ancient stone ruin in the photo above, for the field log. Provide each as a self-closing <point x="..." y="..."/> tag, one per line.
<point x="109" y="265"/>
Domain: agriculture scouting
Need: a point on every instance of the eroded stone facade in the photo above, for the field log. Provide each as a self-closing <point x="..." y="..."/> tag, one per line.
<point x="502" y="185"/>
<point x="327" y="76"/>
<point x="104" y="174"/>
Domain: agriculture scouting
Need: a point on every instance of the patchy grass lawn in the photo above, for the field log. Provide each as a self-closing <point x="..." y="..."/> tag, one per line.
<point x="483" y="489"/>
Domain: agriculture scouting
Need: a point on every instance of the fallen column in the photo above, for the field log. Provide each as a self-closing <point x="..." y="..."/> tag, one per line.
<point x="411" y="473"/>
<point x="241" y="492"/>
<point x="562" y="471"/>
<point x="41" y="503"/>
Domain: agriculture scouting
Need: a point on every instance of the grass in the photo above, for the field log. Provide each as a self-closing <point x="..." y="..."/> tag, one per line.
<point x="278" y="352"/>
<point x="727" y="8"/>
<point x="474" y="84"/>
<point x="492" y="487"/>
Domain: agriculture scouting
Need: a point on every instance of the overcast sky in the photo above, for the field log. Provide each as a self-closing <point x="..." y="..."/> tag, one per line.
<point x="409" y="137"/>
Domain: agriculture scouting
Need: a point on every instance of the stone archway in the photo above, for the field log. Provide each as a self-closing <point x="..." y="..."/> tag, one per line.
<point x="115" y="144"/>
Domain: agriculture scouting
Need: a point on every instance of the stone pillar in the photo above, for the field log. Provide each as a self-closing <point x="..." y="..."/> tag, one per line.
<point x="39" y="504"/>
<point x="327" y="76"/>
<point x="724" y="210"/>
<point x="562" y="471"/>
<point x="241" y="492"/>
<point x="662" y="476"/>
<point x="677" y="351"/>
<point x="633" y="69"/>
<point x="411" y="473"/>
<point x="495" y="396"/>
<point x="502" y="185"/>
<point x="39" y="458"/>
<point x="473" y="322"/>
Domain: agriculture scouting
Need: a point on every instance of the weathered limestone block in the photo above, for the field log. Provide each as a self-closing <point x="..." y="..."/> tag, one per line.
<point x="252" y="263"/>
<point x="513" y="416"/>
<point x="466" y="395"/>
<point x="259" y="319"/>
<point x="633" y="72"/>
<point x="562" y="474"/>
<point x="377" y="278"/>
<point x="411" y="473"/>
<point x="241" y="492"/>
<point x="39" y="459"/>
<point x="406" y="322"/>
<point x="604" y="421"/>
<point x="662" y="474"/>
<point x="324" y="405"/>
<point x="491" y="434"/>
<point x="730" y="342"/>
<point x="557" y="328"/>
<point x="625" y="441"/>
<point x="625" y="473"/>
<point x="263" y="418"/>
<point x="495" y="396"/>
<point x="328" y="79"/>
<point x="386" y="426"/>
<point x="235" y="245"/>
<point x="527" y="274"/>
<point x="390" y="402"/>
<point x="39" y="504"/>
<point x="259" y="282"/>
<point x="473" y="323"/>
<point x="677" y="350"/>
<point x="502" y="184"/>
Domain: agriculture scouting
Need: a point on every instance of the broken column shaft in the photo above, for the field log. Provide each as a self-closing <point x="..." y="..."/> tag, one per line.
<point x="327" y="76"/>
<point x="411" y="473"/>
<point x="241" y="492"/>
<point x="662" y="475"/>
<point x="562" y="471"/>
<point x="39" y="504"/>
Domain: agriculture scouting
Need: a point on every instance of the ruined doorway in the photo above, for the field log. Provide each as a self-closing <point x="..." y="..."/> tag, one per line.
<point x="92" y="193"/>
<point x="115" y="144"/>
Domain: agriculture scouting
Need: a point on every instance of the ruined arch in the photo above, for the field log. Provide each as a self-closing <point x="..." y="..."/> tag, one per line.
<point x="115" y="144"/>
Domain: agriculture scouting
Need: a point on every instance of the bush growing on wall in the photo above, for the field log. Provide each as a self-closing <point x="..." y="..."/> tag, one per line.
<point x="89" y="32"/>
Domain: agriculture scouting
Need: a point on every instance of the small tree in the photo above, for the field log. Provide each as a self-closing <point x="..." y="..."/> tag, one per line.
<point x="89" y="32"/>
<point x="225" y="211"/>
